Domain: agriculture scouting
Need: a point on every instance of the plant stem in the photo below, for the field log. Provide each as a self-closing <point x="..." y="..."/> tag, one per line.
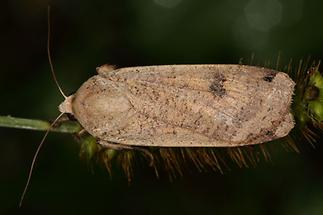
<point x="39" y="125"/>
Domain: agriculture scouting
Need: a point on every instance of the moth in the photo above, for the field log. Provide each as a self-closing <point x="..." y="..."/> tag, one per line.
<point x="184" y="106"/>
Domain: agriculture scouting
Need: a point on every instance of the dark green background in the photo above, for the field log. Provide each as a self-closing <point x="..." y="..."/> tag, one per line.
<point x="87" y="34"/>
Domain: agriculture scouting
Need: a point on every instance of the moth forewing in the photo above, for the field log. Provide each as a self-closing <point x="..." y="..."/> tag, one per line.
<point x="186" y="105"/>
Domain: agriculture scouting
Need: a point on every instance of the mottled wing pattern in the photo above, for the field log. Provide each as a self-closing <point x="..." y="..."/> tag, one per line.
<point x="187" y="105"/>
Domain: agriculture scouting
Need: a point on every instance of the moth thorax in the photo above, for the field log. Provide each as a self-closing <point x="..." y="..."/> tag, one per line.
<point x="66" y="106"/>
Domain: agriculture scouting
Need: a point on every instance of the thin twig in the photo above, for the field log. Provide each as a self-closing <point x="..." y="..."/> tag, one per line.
<point x="39" y="125"/>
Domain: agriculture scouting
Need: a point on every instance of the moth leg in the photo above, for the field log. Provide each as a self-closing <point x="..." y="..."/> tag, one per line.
<point x="78" y="135"/>
<point x="81" y="132"/>
<point x="118" y="146"/>
<point x="61" y="120"/>
<point x="101" y="70"/>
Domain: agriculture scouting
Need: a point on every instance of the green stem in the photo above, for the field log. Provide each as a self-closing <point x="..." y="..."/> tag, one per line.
<point x="39" y="125"/>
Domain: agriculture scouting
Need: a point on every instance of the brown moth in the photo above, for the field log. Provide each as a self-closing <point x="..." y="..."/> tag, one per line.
<point x="184" y="105"/>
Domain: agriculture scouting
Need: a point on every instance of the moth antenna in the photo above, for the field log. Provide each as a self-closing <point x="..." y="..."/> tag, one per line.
<point x="35" y="157"/>
<point x="49" y="54"/>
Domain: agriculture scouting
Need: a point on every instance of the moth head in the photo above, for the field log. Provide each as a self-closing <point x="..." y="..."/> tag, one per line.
<point x="66" y="105"/>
